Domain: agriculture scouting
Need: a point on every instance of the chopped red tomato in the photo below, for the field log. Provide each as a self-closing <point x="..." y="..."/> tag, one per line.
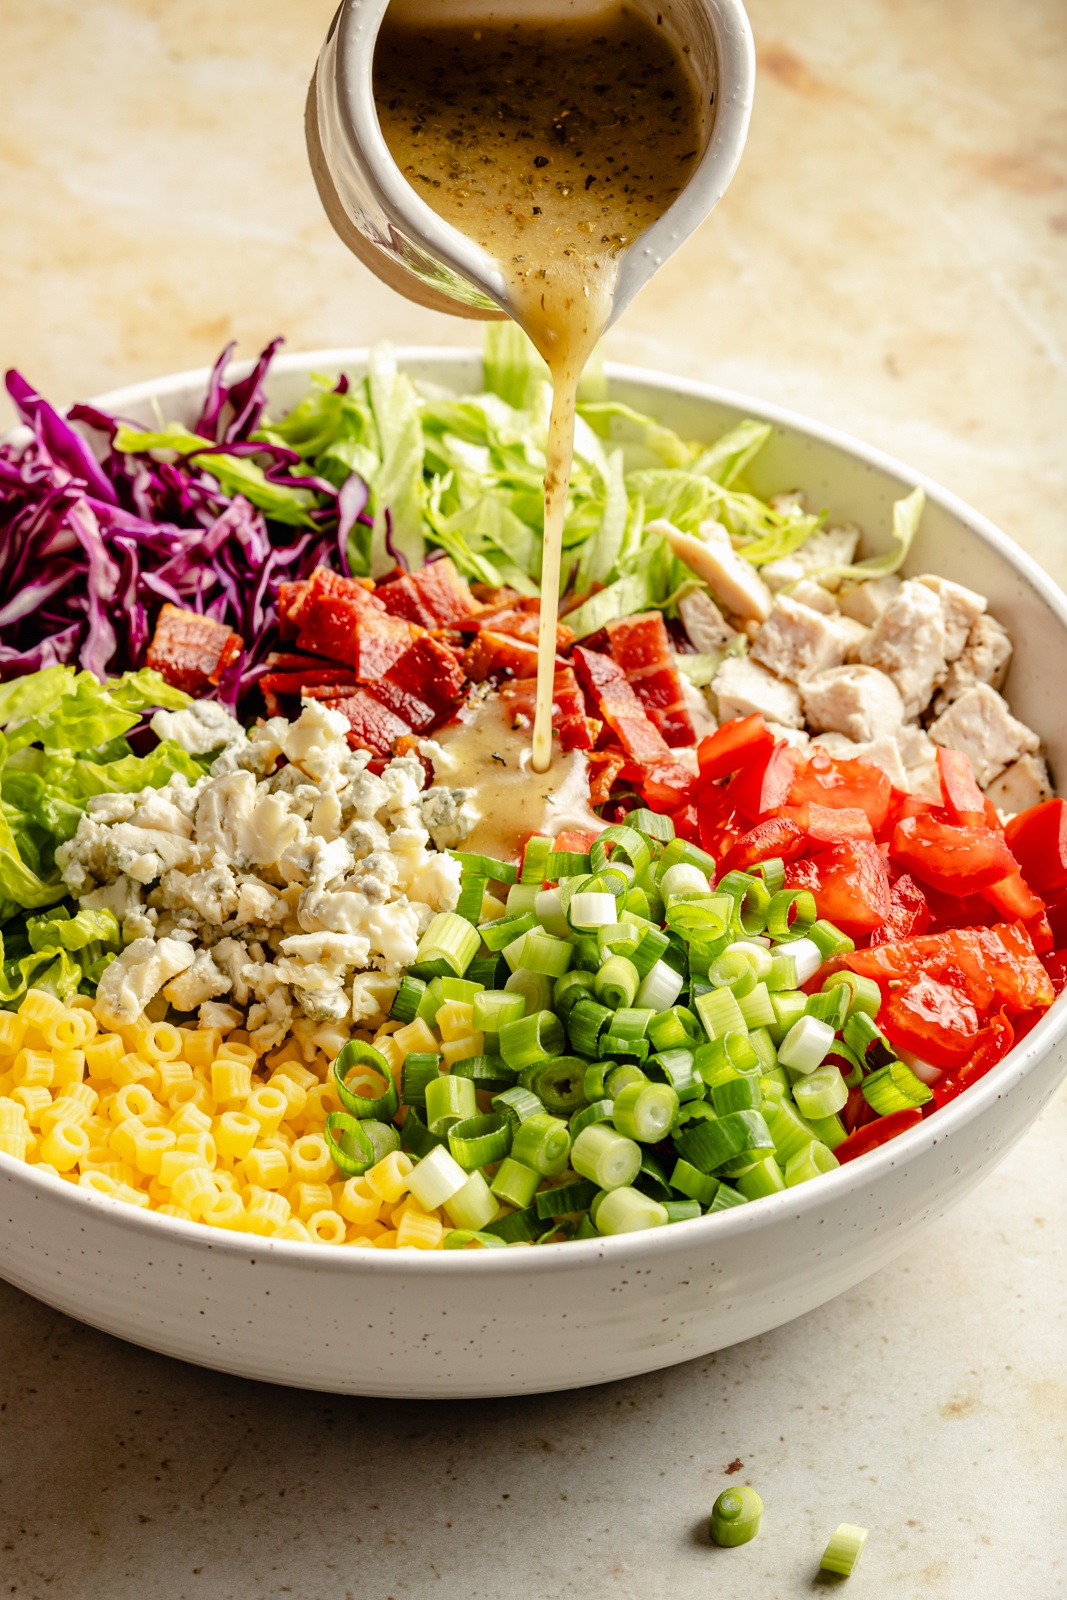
<point x="1055" y="964"/>
<point x="964" y="801"/>
<point x="765" y="784"/>
<point x="933" y="1018"/>
<point x="909" y="912"/>
<point x="876" y="1133"/>
<point x="686" y="825"/>
<point x="853" y="886"/>
<point x="1038" y="841"/>
<point x="732" y="747"/>
<point x="991" y="1046"/>
<point x="949" y="857"/>
<point x="1014" y="899"/>
<point x="845" y="785"/>
<point x="776" y="836"/>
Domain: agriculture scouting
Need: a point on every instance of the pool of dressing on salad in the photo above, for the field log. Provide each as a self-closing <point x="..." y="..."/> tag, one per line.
<point x="553" y="144"/>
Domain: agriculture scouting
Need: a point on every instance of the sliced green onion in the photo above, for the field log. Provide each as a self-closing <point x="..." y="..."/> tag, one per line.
<point x="789" y="1007"/>
<point x="660" y="987"/>
<point x="652" y="824"/>
<point x="449" y="1100"/>
<point x="471" y="894"/>
<point x="606" y="1157"/>
<point x="486" y="867"/>
<point x="821" y="1093"/>
<point x="762" y="1178"/>
<point x="478" y="1141"/>
<point x="531" y="1038"/>
<point x="726" y="1056"/>
<point x="810" y="1161"/>
<point x="619" y="1076"/>
<point x="349" y="1144"/>
<point x="863" y="993"/>
<point x="535" y="988"/>
<point x="566" y="864"/>
<point x="756" y="1007"/>
<point x="645" y="1111"/>
<point x="766" y="1054"/>
<point x="737" y="1091"/>
<point x="830" y="1006"/>
<point x="732" y="970"/>
<point x="594" y="1077"/>
<point x="522" y="898"/>
<point x="542" y="1142"/>
<point x="514" y="952"/>
<point x="773" y="873"/>
<point x="894" y="1087"/>
<point x="535" y="859"/>
<point x="565" y="1199"/>
<point x="791" y="913"/>
<point x="863" y="1036"/>
<point x="683" y="879"/>
<point x="586" y="1228"/>
<point x="588" y="1116"/>
<point x="736" y="1516"/>
<point x="806" y="1044"/>
<point x="639" y="902"/>
<point x="652" y="1177"/>
<point x="846" y="1545"/>
<point x="674" y="1028"/>
<point x="617" y="1044"/>
<point x="678" y="1068"/>
<point x="586" y="956"/>
<point x="631" y="1022"/>
<point x="831" y="1130"/>
<point x="710" y="1145"/>
<point x="617" y="983"/>
<point x="626" y="840"/>
<point x="681" y="1210"/>
<point x="725" y="1199"/>
<point x="627" y="1210"/>
<point x="449" y="945"/>
<point x="557" y="1083"/>
<point x="783" y="973"/>
<point x="356" y="1054"/>
<point x="830" y="940"/>
<point x="720" y="1013"/>
<point x="515" y="1185"/>
<point x="415" y="1136"/>
<point x="622" y="939"/>
<point x="419" y="1069"/>
<point x="591" y="911"/>
<point x="505" y="930"/>
<point x="493" y="1007"/>
<point x="433" y="998"/>
<point x="568" y="990"/>
<point x="542" y="952"/>
<point x="464" y="1238"/>
<point x="688" y="1180"/>
<point x="699" y="922"/>
<point x="472" y="1206"/>
<point x="483" y="970"/>
<point x="789" y="1130"/>
<point x="548" y="909"/>
<point x="406" y="1003"/>
<point x="521" y="1227"/>
<point x="488" y="1073"/>
<point x="586" y="1023"/>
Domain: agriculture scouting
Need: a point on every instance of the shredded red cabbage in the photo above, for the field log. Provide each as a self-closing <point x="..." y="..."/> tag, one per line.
<point x="91" y="548"/>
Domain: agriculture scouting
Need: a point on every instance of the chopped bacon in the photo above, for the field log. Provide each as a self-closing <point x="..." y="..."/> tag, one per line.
<point x="424" y="685"/>
<point x="190" y="651"/>
<point x="576" y="730"/>
<point x="606" y="683"/>
<point x="297" y="661"/>
<point x="329" y="613"/>
<point x="642" y="648"/>
<point x="380" y="642"/>
<point x="371" y="725"/>
<point x="435" y="596"/>
<point x="520" y="622"/>
<point x="604" y="768"/>
<point x="274" y="684"/>
<point x="497" y="655"/>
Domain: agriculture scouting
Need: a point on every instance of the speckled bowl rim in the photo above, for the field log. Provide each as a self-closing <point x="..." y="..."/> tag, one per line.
<point x="862" y="1173"/>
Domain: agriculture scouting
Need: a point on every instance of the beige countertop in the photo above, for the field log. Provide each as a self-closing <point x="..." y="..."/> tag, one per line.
<point x="891" y="258"/>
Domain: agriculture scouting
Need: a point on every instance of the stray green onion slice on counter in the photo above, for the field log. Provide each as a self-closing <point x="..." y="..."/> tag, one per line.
<point x="846" y="1545"/>
<point x="736" y="1517"/>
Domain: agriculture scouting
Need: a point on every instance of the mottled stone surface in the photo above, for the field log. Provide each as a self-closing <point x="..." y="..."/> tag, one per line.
<point x="891" y="258"/>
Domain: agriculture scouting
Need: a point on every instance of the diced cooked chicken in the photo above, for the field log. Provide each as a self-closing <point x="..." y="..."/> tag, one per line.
<point x="809" y="593"/>
<point x="919" y="755"/>
<point x="734" y="582"/>
<point x="817" y="556"/>
<point x="797" y="737"/>
<point x="1022" y="785"/>
<point x="908" y="642"/>
<point x="854" y="633"/>
<point x="708" y="630"/>
<point x="797" y="642"/>
<point x="961" y="609"/>
<point x="866" y="601"/>
<point x="980" y="724"/>
<point x="742" y="687"/>
<point x="858" y="701"/>
<point x="985" y="659"/>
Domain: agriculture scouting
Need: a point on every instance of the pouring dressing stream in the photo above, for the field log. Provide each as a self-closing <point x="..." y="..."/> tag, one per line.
<point x="554" y="145"/>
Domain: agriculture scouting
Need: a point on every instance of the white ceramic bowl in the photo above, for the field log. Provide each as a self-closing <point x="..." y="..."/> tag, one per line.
<point x="522" y="1321"/>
